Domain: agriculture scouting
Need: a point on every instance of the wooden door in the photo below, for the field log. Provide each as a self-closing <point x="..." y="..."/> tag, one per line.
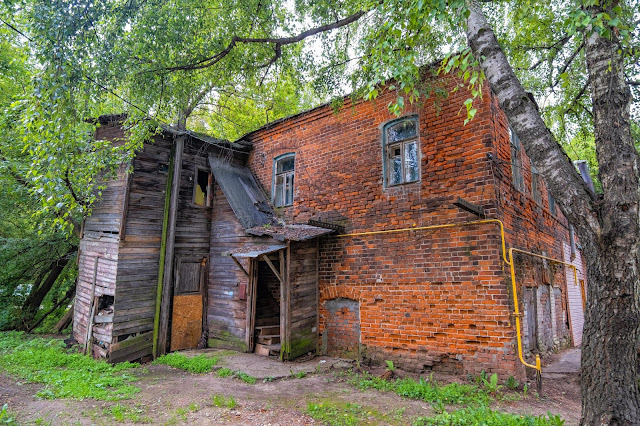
<point x="186" y="321"/>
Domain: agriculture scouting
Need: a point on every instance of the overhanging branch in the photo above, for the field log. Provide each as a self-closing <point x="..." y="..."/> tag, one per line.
<point x="279" y="42"/>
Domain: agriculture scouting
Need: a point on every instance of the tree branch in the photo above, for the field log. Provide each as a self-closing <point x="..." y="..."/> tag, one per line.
<point x="283" y="41"/>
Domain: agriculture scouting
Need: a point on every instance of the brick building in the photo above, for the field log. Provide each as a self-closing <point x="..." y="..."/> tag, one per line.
<point x="350" y="232"/>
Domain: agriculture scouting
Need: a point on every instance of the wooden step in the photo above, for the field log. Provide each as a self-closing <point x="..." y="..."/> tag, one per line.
<point x="267" y="350"/>
<point x="269" y="340"/>
<point x="268" y="330"/>
<point x="275" y="321"/>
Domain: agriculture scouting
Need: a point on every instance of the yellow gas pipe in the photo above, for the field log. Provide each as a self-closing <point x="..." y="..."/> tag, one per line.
<point x="509" y="261"/>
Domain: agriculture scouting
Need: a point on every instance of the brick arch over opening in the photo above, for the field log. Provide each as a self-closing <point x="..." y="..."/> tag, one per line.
<point x="341" y="326"/>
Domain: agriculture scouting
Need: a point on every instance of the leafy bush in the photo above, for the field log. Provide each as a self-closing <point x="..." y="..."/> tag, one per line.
<point x="224" y="372"/>
<point x="487" y="417"/>
<point x="195" y="364"/>
<point x="64" y="374"/>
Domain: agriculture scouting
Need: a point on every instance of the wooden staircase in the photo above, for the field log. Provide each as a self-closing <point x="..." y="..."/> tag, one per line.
<point x="268" y="337"/>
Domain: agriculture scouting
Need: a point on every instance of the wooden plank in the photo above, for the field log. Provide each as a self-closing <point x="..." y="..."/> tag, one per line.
<point x="273" y="268"/>
<point x="167" y="280"/>
<point x="92" y="307"/>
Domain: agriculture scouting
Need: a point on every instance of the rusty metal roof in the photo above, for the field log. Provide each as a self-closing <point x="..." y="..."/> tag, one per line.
<point x="289" y="232"/>
<point x="256" y="250"/>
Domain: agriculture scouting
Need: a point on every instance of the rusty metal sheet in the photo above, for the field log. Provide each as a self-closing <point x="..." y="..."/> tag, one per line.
<point x="186" y="325"/>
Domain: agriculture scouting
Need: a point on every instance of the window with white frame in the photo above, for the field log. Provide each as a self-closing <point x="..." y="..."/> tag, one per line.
<point x="402" y="163"/>
<point x="284" y="171"/>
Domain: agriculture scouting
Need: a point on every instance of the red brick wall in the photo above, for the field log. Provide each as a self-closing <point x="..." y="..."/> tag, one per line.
<point x="427" y="299"/>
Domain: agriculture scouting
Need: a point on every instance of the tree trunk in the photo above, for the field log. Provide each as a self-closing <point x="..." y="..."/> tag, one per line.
<point x="37" y="295"/>
<point x="608" y="229"/>
<point x="612" y="321"/>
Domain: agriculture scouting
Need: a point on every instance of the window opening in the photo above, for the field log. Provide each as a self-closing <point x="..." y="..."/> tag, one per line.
<point x="516" y="160"/>
<point x="283" y="180"/>
<point x="552" y="204"/>
<point x="402" y="163"/>
<point x="202" y="189"/>
<point x="535" y="187"/>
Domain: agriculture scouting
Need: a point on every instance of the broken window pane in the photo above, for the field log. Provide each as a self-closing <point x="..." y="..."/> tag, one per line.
<point x="402" y="162"/>
<point x="406" y="129"/>
<point x="395" y="177"/>
<point x="411" y="161"/>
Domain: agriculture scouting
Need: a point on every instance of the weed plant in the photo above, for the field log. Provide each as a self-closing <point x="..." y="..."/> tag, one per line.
<point x="487" y="417"/>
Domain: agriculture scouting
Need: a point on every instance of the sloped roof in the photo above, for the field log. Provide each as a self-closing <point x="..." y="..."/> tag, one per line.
<point x="247" y="200"/>
<point x="290" y="232"/>
<point x="251" y="206"/>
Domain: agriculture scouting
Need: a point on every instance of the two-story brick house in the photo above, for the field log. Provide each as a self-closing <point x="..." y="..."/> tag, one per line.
<point x="355" y="233"/>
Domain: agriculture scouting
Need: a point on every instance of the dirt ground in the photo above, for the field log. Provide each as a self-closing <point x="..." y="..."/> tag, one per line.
<point x="172" y="396"/>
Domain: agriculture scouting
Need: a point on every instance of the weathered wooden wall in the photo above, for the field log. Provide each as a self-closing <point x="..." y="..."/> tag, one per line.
<point x="139" y="252"/>
<point x="98" y="254"/>
<point x="303" y="309"/>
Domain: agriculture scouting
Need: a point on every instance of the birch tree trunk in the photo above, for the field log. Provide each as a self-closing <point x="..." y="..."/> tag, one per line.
<point x="608" y="228"/>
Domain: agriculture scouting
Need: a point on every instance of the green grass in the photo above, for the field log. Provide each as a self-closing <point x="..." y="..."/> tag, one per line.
<point x="63" y="373"/>
<point x="125" y="413"/>
<point x="246" y="378"/>
<point x="6" y="417"/>
<point x="425" y="390"/>
<point x="487" y="417"/>
<point x="224" y="402"/>
<point x="225" y="372"/>
<point x="195" y="364"/>
<point x="341" y="414"/>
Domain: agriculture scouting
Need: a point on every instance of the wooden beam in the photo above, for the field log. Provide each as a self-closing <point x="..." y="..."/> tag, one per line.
<point x="92" y="305"/>
<point x="167" y="280"/>
<point x="163" y="246"/>
<point x="273" y="268"/>
<point x="240" y="266"/>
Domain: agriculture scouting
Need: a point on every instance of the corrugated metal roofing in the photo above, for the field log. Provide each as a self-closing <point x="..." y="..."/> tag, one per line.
<point x="247" y="200"/>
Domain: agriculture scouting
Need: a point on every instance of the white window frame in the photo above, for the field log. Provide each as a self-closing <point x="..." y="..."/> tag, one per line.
<point x="282" y="193"/>
<point x="402" y="145"/>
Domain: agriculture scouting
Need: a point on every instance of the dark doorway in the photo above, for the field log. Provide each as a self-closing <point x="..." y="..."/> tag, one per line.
<point x="267" y="313"/>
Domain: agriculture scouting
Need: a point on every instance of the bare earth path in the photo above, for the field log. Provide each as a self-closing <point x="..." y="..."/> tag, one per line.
<point x="172" y="396"/>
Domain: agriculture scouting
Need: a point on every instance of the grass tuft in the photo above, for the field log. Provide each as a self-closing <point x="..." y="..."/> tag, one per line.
<point x="425" y="390"/>
<point x="195" y="364"/>
<point x="64" y="374"/>
<point x="224" y="402"/>
<point x="487" y="417"/>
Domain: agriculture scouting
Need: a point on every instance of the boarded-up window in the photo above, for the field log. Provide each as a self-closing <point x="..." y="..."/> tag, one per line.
<point x="402" y="163"/>
<point x="284" y="169"/>
<point x="535" y="186"/>
<point x="516" y="161"/>
<point x="552" y="204"/>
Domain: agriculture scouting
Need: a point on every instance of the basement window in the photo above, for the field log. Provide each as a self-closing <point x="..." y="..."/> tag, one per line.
<point x="401" y="161"/>
<point x="202" y="188"/>
<point x="516" y="160"/>
<point x="283" y="176"/>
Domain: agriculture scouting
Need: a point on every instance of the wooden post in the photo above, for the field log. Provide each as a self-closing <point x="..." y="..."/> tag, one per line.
<point x="163" y="246"/>
<point x="167" y="279"/>
<point x="92" y="306"/>
<point x="251" y="303"/>
<point x="204" y="288"/>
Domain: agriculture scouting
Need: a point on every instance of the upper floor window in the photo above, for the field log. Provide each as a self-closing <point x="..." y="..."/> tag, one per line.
<point x="402" y="164"/>
<point x="552" y="204"/>
<point x="516" y="161"/>
<point x="202" y="188"/>
<point x="284" y="170"/>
